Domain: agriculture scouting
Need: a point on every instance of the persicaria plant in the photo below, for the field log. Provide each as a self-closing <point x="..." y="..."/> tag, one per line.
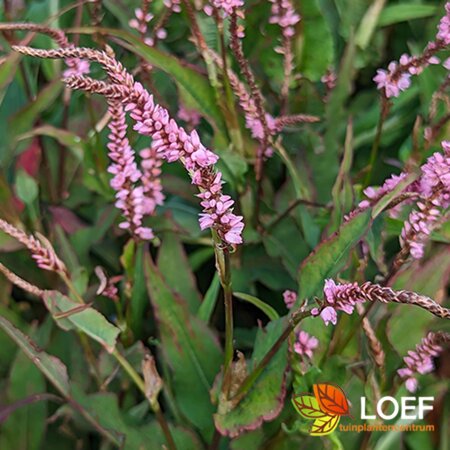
<point x="210" y="207"/>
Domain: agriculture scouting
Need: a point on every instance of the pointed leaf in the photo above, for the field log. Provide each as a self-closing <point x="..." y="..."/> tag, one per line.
<point x="308" y="406"/>
<point x="81" y="317"/>
<point x="324" y="425"/>
<point x="173" y="263"/>
<point x="51" y="367"/>
<point x="328" y="257"/>
<point x="190" y="348"/>
<point x="331" y="398"/>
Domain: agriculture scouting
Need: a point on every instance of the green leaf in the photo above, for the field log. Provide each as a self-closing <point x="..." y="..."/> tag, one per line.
<point x="264" y="307"/>
<point x="317" y="51"/>
<point x="23" y="121"/>
<point x="265" y="399"/>
<point x="82" y="318"/>
<point x="402" y="12"/>
<point x="8" y="70"/>
<point x="26" y="187"/>
<point x="25" y="427"/>
<point x="428" y="279"/>
<point x="51" y="367"/>
<point x="139" y="297"/>
<point x="104" y="409"/>
<point x="190" y="349"/>
<point x="209" y="301"/>
<point x="173" y="263"/>
<point x="369" y="23"/>
<point x="327" y="259"/>
<point x="326" y="163"/>
<point x="64" y="137"/>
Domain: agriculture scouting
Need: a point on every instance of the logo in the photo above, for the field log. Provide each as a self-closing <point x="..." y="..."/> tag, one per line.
<point x="329" y="403"/>
<point x="325" y="407"/>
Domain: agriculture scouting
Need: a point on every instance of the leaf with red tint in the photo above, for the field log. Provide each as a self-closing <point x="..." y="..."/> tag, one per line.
<point x="68" y="220"/>
<point x="30" y="159"/>
<point x="332" y="399"/>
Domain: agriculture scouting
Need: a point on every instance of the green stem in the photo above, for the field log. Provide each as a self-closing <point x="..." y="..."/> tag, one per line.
<point x="385" y="107"/>
<point x="224" y="270"/>
<point x="139" y="382"/>
<point x="295" y="319"/>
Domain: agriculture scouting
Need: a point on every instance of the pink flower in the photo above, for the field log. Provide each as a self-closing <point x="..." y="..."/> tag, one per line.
<point x="227" y="6"/>
<point x="289" y="297"/>
<point x="328" y="315"/>
<point x="305" y="344"/>
<point x="283" y="14"/>
<point x="76" y="66"/>
<point x="174" y="5"/>
<point x="391" y="83"/>
<point x="190" y="116"/>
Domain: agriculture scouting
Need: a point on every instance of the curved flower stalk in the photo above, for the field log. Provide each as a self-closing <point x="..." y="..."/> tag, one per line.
<point x="344" y="297"/>
<point x="398" y="76"/>
<point x="252" y="122"/>
<point x="432" y="194"/>
<point x="420" y="360"/>
<point x="375" y="346"/>
<point x="41" y="250"/>
<point x="434" y="188"/>
<point x="262" y="131"/>
<point x="168" y="139"/>
<point x="284" y="15"/>
<point x="129" y="197"/>
<point x="21" y="283"/>
<point x="75" y="66"/>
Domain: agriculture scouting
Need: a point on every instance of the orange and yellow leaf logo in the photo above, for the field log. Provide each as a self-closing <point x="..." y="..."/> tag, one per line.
<point x="325" y="407"/>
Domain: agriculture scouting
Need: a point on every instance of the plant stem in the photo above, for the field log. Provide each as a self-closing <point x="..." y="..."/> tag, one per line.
<point x="385" y="107"/>
<point x="139" y="382"/>
<point x="224" y="270"/>
<point x="164" y="426"/>
<point x="295" y="319"/>
<point x="228" y="325"/>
